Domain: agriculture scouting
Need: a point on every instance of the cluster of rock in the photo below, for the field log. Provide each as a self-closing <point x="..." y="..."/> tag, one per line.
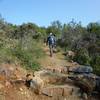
<point x="57" y="82"/>
<point x="63" y="80"/>
<point x="84" y="78"/>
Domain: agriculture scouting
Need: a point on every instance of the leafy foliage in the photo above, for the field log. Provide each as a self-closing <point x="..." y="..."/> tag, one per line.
<point x="96" y="64"/>
<point x="26" y="59"/>
<point x="82" y="57"/>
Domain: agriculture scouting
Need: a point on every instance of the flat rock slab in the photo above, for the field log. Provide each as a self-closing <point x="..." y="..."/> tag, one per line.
<point x="58" y="69"/>
<point x="51" y="77"/>
<point x="60" y="90"/>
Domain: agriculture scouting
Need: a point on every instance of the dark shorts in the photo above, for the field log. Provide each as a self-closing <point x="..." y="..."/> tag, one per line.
<point x="51" y="46"/>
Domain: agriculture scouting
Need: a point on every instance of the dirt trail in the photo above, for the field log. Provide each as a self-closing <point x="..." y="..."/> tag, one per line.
<point x="58" y="60"/>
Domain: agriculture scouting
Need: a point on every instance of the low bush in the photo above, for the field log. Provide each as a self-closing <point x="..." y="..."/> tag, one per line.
<point x="28" y="57"/>
<point x="95" y="62"/>
<point x="82" y="57"/>
<point x="27" y="54"/>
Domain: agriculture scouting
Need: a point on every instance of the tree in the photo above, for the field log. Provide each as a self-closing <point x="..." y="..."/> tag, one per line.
<point x="56" y="28"/>
<point x="71" y="33"/>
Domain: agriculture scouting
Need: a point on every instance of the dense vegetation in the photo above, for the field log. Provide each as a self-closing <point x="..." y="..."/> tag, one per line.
<point x="19" y="42"/>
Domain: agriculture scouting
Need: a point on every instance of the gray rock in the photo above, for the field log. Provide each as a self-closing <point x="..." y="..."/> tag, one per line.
<point x="59" y="90"/>
<point x="82" y="69"/>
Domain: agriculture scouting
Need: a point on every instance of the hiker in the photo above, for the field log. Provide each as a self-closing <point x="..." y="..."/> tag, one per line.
<point x="51" y="41"/>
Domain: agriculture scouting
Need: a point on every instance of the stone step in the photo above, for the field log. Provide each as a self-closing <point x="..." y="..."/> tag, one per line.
<point x="59" y="90"/>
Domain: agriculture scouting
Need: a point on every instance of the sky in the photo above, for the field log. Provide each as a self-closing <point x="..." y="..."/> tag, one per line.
<point x="43" y="12"/>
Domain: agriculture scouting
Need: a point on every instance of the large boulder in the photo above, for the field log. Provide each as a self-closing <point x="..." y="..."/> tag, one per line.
<point x="51" y="77"/>
<point x="35" y="83"/>
<point x="88" y="83"/>
<point x="70" y="54"/>
<point x="42" y="78"/>
<point x="81" y="69"/>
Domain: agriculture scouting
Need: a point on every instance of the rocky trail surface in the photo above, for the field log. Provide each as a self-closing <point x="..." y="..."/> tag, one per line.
<point x="52" y="80"/>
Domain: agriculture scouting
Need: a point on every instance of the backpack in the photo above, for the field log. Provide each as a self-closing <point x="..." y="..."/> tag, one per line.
<point x="51" y="39"/>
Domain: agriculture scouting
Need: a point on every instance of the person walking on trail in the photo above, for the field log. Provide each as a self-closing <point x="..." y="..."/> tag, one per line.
<point x="51" y="41"/>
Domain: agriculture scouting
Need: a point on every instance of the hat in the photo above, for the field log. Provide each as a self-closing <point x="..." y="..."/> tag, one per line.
<point x="50" y="33"/>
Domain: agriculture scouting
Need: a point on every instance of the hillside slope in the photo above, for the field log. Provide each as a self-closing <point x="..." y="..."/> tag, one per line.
<point x="12" y="81"/>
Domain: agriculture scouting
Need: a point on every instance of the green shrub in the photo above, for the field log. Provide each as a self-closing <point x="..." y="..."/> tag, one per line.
<point x="26" y="59"/>
<point x="28" y="56"/>
<point x="95" y="62"/>
<point x="82" y="57"/>
<point x="6" y="56"/>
